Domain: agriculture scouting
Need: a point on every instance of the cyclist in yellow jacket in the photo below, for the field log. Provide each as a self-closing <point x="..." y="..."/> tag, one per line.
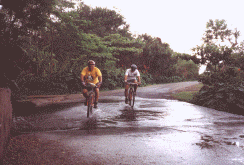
<point x="91" y="74"/>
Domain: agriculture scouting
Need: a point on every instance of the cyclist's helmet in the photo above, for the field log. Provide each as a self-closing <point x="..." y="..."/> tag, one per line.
<point x="133" y="66"/>
<point x="91" y="62"/>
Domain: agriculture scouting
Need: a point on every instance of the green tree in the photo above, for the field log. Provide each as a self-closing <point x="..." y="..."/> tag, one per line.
<point x="186" y="69"/>
<point x="157" y="57"/>
<point x="65" y="43"/>
<point x="125" y="50"/>
<point x="106" y="24"/>
<point x="102" y="21"/>
<point x="219" y="43"/>
<point x="40" y="42"/>
<point x="222" y="53"/>
<point x="17" y="20"/>
<point x="112" y="32"/>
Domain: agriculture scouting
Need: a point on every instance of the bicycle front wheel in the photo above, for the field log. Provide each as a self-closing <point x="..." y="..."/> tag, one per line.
<point x="90" y="105"/>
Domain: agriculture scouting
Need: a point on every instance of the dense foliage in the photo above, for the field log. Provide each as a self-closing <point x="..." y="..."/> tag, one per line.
<point x="48" y="43"/>
<point x="223" y="80"/>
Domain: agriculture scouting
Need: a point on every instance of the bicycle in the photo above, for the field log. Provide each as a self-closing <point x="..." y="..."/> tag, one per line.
<point x="91" y="98"/>
<point x="132" y="94"/>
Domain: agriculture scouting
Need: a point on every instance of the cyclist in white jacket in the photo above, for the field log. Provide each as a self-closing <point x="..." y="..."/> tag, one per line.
<point x="131" y="76"/>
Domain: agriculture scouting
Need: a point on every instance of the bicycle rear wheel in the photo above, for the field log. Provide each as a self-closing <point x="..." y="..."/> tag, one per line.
<point x="131" y="97"/>
<point x="90" y="105"/>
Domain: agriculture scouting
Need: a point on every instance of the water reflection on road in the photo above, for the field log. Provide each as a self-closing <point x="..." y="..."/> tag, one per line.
<point x="170" y="129"/>
<point x="158" y="113"/>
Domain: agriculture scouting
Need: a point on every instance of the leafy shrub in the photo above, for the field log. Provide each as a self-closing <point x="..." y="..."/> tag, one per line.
<point x="230" y="75"/>
<point x="222" y="90"/>
<point x="112" y="79"/>
<point x="53" y="84"/>
<point x="146" y="79"/>
<point x="222" y="96"/>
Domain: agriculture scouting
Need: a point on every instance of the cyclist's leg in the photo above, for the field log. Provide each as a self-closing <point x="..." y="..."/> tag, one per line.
<point x="96" y="97"/>
<point x="85" y="94"/>
<point x="135" y="87"/>
<point x="126" y="93"/>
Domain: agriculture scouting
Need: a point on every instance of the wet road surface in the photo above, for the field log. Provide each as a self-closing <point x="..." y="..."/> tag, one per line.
<point x="155" y="131"/>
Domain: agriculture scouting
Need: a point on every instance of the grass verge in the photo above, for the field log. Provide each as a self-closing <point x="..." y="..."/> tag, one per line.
<point x="187" y="93"/>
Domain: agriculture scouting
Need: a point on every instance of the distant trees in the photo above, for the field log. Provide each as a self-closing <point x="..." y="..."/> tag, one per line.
<point x="187" y="69"/>
<point x="102" y="21"/>
<point x="157" y="57"/>
<point x="53" y="39"/>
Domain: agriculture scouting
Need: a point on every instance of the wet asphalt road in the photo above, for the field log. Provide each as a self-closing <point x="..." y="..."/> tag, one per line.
<point x="156" y="131"/>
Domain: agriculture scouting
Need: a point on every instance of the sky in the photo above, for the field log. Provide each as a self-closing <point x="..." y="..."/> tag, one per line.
<point x="180" y="23"/>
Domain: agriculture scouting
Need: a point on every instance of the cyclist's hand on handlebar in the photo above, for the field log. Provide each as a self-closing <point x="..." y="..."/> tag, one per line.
<point x="83" y="84"/>
<point x="98" y="84"/>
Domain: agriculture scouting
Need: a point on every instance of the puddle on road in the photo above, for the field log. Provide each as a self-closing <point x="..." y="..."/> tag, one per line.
<point x="109" y="101"/>
<point x="111" y="113"/>
<point x="153" y="105"/>
<point x="207" y="142"/>
<point x="90" y="124"/>
<point x="147" y="113"/>
<point x="229" y="123"/>
<point x="178" y="127"/>
<point x="137" y="115"/>
<point x="127" y="115"/>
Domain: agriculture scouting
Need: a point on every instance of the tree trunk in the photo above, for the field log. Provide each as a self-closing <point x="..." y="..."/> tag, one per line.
<point x="5" y="118"/>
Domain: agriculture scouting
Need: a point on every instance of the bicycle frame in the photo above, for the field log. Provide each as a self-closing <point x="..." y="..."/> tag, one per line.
<point x="132" y="94"/>
<point x="91" y="99"/>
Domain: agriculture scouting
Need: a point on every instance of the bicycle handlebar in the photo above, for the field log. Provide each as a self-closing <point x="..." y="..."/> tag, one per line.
<point x="132" y="83"/>
<point x="91" y="85"/>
